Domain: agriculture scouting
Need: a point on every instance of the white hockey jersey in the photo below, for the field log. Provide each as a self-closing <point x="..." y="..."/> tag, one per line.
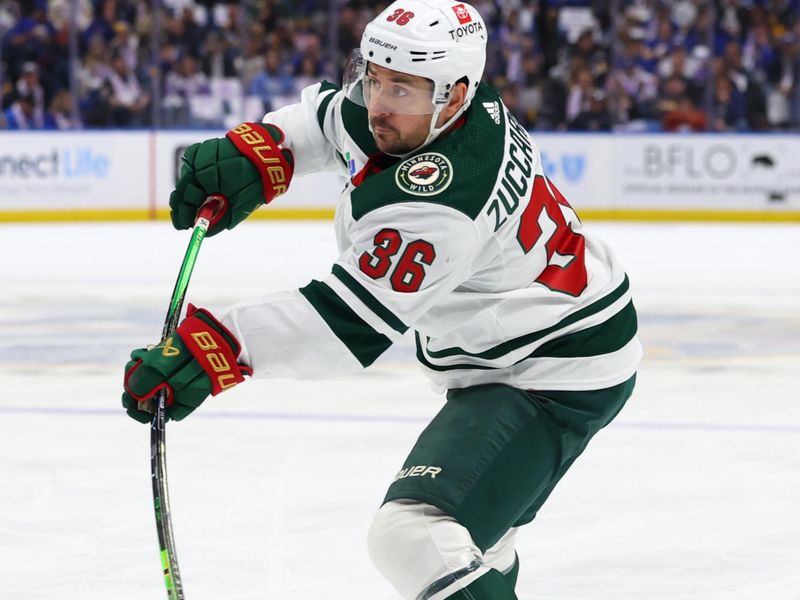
<point x="465" y="241"/>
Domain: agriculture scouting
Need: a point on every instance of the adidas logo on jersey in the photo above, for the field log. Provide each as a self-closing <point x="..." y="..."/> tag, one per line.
<point x="493" y="108"/>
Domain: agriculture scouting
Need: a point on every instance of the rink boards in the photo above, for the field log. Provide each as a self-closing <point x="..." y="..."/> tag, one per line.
<point x="128" y="175"/>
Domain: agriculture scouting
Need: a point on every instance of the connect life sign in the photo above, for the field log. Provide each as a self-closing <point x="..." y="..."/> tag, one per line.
<point x="40" y="170"/>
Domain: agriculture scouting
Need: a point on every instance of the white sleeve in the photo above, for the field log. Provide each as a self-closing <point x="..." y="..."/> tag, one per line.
<point x="342" y="324"/>
<point x="283" y="336"/>
<point x="303" y="124"/>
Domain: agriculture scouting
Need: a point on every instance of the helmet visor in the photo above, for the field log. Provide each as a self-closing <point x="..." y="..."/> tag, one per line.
<point x="381" y="90"/>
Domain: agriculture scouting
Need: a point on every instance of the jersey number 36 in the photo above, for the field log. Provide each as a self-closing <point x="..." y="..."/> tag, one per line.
<point x="409" y="272"/>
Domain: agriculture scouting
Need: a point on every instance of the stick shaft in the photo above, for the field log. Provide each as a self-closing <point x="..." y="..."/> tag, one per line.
<point x="158" y="450"/>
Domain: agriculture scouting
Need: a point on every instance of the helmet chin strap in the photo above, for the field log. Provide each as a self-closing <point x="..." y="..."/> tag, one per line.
<point x="433" y="131"/>
<point x="437" y="131"/>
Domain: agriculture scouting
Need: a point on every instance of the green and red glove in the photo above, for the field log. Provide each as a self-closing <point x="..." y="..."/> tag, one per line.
<point x="200" y="359"/>
<point x="248" y="167"/>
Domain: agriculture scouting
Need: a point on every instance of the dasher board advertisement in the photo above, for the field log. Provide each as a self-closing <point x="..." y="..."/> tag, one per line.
<point x="715" y="172"/>
<point x="74" y="170"/>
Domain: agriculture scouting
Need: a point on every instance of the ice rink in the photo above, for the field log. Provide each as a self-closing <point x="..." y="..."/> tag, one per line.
<point x="692" y="493"/>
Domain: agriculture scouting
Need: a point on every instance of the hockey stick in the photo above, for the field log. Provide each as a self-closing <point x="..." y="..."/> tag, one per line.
<point x="158" y="450"/>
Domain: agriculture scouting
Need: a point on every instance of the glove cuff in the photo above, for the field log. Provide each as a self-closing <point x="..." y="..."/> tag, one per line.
<point x="214" y="347"/>
<point x="259" y="146"/>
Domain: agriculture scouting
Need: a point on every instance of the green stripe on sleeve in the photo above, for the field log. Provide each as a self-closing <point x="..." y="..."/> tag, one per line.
<point x="367" y="298"/>
<point x="363" y="341"/>
<point x="325" y="87"/>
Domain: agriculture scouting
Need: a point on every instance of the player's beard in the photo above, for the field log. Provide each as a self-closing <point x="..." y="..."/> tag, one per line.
<point x="389" y="139"/>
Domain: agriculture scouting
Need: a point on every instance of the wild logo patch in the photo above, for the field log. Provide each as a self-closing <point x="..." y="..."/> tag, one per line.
<point x="424" y="175"/>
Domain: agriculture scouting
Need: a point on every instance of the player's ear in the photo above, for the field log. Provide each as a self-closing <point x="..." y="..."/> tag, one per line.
<point x="458" y="95"/>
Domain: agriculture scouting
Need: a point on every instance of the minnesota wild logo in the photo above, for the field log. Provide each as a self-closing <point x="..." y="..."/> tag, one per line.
<point x="425" y="174"/>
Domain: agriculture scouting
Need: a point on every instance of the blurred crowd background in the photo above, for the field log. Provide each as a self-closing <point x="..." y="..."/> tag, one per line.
<point x="619" y="65"/>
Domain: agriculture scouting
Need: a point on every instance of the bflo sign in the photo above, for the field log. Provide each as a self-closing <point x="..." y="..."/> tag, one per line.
<point x="706" y="171"/>
<point x="718" y="161"/>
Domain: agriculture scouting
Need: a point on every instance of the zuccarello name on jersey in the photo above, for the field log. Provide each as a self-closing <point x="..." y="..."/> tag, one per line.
<point x="519" y="159"/>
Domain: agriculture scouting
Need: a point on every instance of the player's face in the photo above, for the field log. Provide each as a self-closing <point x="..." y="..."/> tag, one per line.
<point x="399" y="107"/>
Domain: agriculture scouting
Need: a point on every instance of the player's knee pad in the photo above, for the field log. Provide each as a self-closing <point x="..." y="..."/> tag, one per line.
<point x="424" y="553"/>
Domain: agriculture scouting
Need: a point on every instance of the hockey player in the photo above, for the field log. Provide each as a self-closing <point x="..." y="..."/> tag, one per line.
<point x="448" y="226"/>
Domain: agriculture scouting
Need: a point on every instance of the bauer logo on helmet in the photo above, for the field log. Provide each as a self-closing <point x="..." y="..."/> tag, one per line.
<point x="382" y="44"/>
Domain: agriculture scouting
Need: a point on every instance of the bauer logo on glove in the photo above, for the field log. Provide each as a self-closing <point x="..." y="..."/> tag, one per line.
<point x="248" y="167"/>
<point x="251" y="140"/>
<point x="201" y="359"/>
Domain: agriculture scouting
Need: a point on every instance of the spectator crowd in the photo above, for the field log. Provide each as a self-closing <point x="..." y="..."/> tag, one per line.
<point x="583" y="65"/>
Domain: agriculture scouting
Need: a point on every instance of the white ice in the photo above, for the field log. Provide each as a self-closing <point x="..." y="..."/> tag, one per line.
<point x="692" y="493"/>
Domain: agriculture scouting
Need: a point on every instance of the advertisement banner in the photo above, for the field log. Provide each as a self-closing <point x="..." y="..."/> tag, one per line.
<point x="81" y="170"/>
<point x="129" y="175"/>
<point x="712" y="172"/>
<point x="579" y="165"/>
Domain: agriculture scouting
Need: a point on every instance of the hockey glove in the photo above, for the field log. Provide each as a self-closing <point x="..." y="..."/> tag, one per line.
<point x="200" y="359"/>
<point x="248" y="167"/>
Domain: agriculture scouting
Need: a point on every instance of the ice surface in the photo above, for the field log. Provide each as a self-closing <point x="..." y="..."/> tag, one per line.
<point x="692" y="493"/>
